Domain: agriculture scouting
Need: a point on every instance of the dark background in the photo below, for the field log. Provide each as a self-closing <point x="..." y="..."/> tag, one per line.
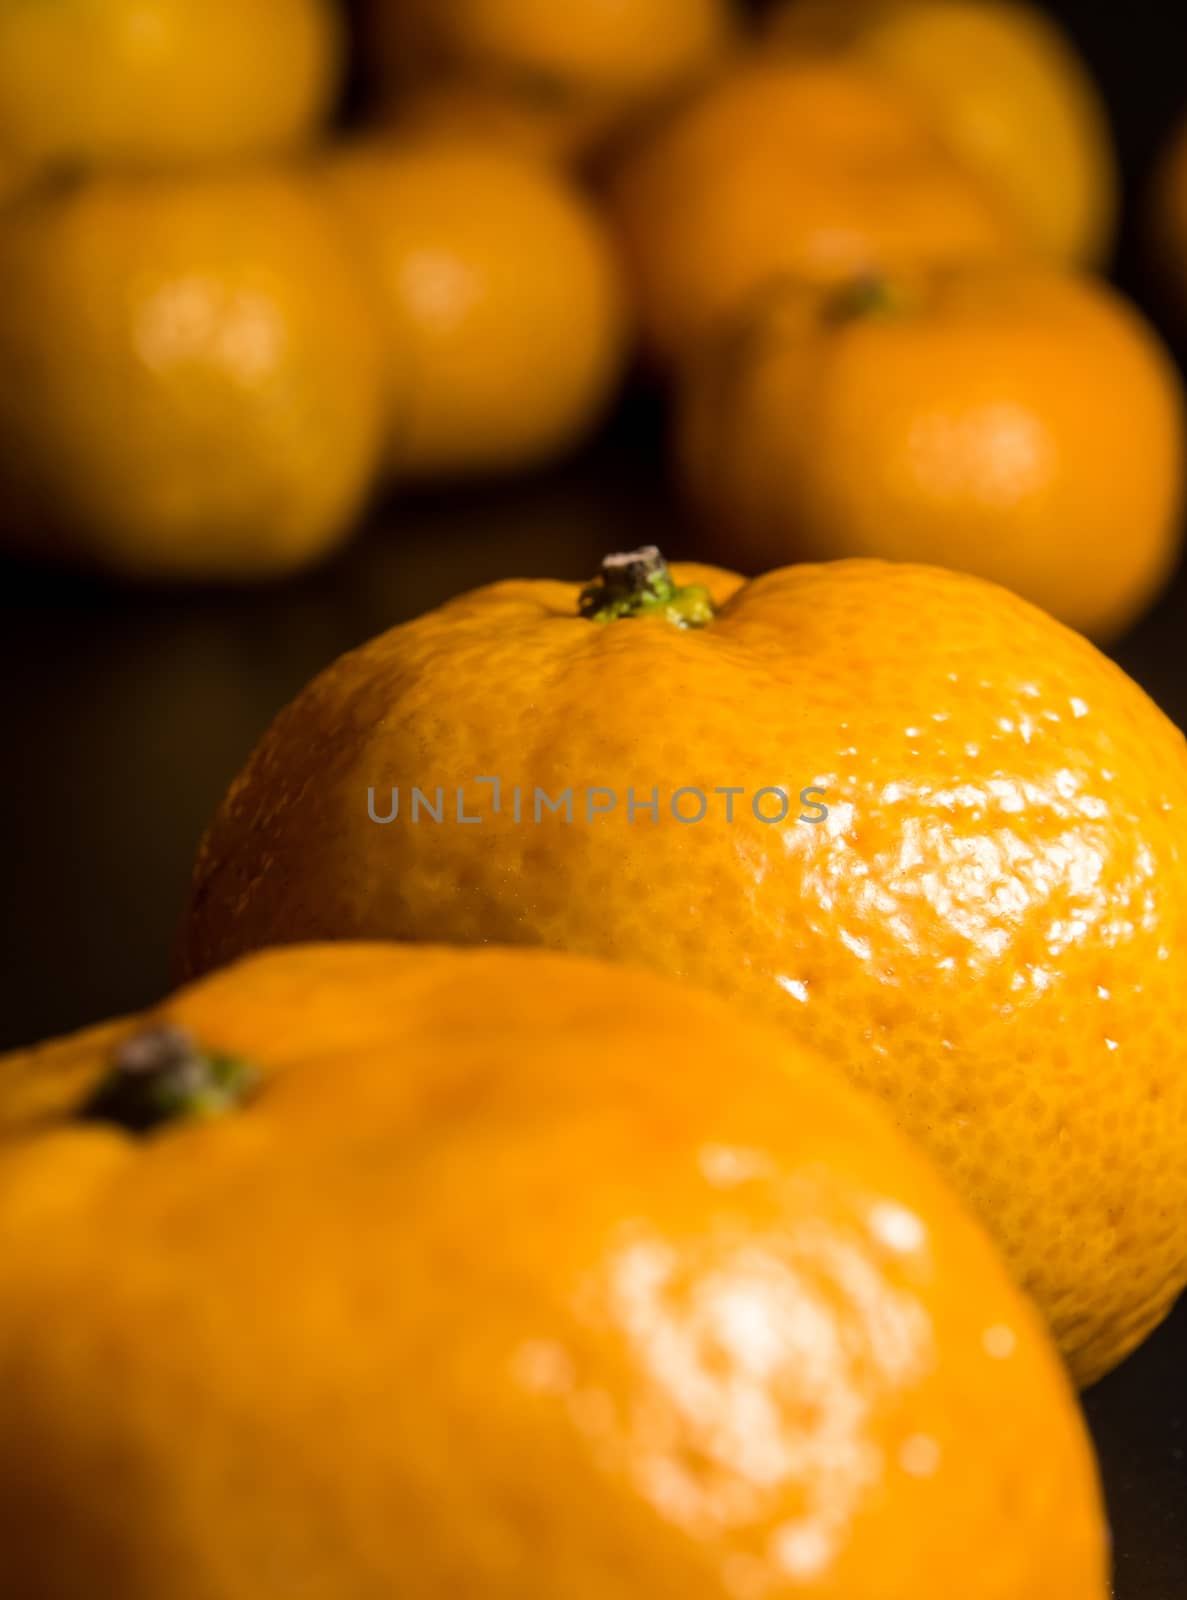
<point x="124" y="714"/>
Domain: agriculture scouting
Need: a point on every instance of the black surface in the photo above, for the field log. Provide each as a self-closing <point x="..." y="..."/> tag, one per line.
<point x="123" y="715"/>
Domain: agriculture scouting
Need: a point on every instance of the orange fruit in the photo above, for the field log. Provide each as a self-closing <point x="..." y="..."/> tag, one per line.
<point x="968" y="419"/>
<point x="546" y="79"/>
<point x="153" y="81"/>
<point x="816" y="168"/>
<point x="502" y="295"/>
<point x="471" y="1294"/>
<point x="1168" y="224"/>
<point x="1009" y="93"/>
<point x="11" y="180"/>
<point x="190" y="384"/>
<point x="982" y="915"/>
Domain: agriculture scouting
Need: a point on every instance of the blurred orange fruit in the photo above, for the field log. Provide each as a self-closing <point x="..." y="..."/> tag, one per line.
<point x="513" y="1275"/>
<point x="969" y="419"/>
<point x="152" y="81"/>
<point x="1168" y="218"/>
<point x="813" y="167"/>
<point x="502" y="294"/>
<point x="190" y="378"/>
<point x="547" y="78"/>
<point x="988" y="927"/>
<point x="1009" y="93"/>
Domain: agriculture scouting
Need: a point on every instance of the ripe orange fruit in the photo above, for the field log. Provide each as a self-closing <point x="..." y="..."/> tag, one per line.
<point x="988" y="927"/>
<point x="1007" y="90"/>
<point x="817" y="168"/>
<point x="969" y="419"/>
<point x="501" y="292"/>
<point x="11" y="179"/>
<point x="190" y="384"/>
<point x="709" y="1331"/>
<point x="1168" y="218"/>
<point x="554" y="80"/>
<point x="152" y="81"/>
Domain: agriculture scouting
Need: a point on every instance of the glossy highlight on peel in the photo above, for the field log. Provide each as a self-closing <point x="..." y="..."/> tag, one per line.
<point x="735" y="1337"/>
<point x="988" y="931"/>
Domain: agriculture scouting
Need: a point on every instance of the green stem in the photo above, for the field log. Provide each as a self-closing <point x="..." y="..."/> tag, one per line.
<point x="161" y="1075"/>
<point x="871" y="295"/>
<point x="637" y="583"/>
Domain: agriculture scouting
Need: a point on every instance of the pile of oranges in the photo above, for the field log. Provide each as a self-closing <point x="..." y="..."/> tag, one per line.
<point x="223" y="329"/>
<point x="540" y="1186"/>
<point x="857" y="238"/>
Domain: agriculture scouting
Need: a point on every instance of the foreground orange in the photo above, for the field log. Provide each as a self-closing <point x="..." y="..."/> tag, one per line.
<point x="501" y="293"/>
<point x="546" y="79"/>
<point x="987" y="925"/>
<point x="969" y="418"/>
<point x="190" y="379"/>
<point x="438" y="1273"/>
<point x="152" y="81"/>
<point x="1007" y="90"/>
<point x="817" y="168"/>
